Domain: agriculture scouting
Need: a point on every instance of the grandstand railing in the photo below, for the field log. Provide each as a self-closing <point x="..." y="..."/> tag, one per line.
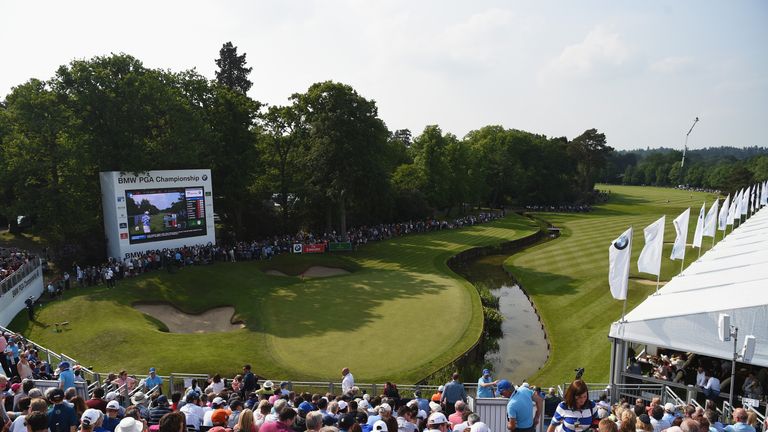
<point x="9" y="282"/>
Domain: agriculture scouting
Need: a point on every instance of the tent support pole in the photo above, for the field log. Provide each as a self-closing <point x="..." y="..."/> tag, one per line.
<point x="658" y="278"/>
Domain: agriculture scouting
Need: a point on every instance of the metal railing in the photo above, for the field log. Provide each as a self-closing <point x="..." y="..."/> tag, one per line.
<point x="10" y="281"/>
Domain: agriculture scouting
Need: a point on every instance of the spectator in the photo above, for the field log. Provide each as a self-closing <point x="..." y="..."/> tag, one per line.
<point x="644" y="423"/>
<point x="657" y="419"/>
<point x="455" y="418"/>
<point x="520" y="408"/>
<point x="112" y="419"/>
<point x="485" y="385"/>
<point x="153" y="380"/>
<point x="245" y="422"/>
<point x="712" y="388"/>
<point x="159" y="409"/>
<point x="576" y="412"/>
<point x="347" y="380"/>
<point x="551" y="401"/>
<point x="91" y="420"/>
<point x="314" y="421"/>
<point x="740" y="422"/>
<point x="437" y="422"/>
<point x="140" y="400"/>
<point x="452" y="393"/>
<point x="607" y="425"/>
<point x="193" y="412"/>
<point x="286" y="417"/>
<point x="173" y="422"/>
<point x="37" y="422"/>
<point x="61" y="416"/>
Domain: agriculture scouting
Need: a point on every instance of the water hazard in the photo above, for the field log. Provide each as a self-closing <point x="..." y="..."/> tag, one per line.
<point x="522" y="348"/>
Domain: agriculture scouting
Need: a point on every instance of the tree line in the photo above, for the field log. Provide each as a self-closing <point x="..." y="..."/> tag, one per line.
<point x="323" y="161"/>
<point x="720" y="168"/>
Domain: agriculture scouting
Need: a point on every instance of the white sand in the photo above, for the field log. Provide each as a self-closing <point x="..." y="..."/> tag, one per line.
<point x="211" y="321"/>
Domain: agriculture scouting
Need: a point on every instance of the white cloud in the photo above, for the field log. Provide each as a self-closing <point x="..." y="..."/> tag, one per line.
<point x="601" y="51"/>
<point x="671" y="64"/>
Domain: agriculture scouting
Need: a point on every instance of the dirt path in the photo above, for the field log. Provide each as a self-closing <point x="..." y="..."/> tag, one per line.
<point x="211" y="321"/>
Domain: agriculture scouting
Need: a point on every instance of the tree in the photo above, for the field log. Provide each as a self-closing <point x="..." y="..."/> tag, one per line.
<point x="345" y="142"/>
<point x="232" y="72"/>
<point x="590" y="151"/>
<point x="284" y="132"/>
<point x="431" y="159"/>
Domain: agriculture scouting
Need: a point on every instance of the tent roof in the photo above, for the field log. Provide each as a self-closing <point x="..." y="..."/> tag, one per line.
<point x="731" y="278"/>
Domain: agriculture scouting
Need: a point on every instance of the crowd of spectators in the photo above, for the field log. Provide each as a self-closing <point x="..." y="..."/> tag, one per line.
<point x="709" y="375"/>
<point x="11" y="259"/>
<point x="115" y="269"/>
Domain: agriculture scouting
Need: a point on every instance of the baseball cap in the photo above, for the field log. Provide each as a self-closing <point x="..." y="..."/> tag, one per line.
<point x="342" y="405"/>
<point x="110" y="396"/>
<point x="441" y="388"/>
<point x="64" y="365"/>
<point x="486" y="372"/>
<point x="504" y="385"/>
<point x="162" y="399"/>
<point x="669" y="407"/>
<point x="479" y="427"/>
<point x="217" y="401"/>
<point x="305" y="406"/>
<point x="422" y="414"/>
<point x="56" y="394"/>
<point x="385" y="407"/>
<point x="152" y="370"/>
<point x="90" y="417"/>
<point x="644" y="418"/>
<point x="437" y="418"/>
<point x="129" y="424"/>
<point x="380" y="426"/>
<point x="113" y="405"/>
<point x="434" y="406"/>
<point x="15" y="386"/>
<point x="346" y="421"/>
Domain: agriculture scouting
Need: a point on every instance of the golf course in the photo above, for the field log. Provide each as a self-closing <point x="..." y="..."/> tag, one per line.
<point x="399" y="314"/>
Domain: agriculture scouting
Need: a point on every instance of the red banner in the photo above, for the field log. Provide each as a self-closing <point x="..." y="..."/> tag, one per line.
<point x="314" y="248"/>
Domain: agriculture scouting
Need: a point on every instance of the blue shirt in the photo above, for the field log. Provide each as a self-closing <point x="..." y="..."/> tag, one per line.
<point x="739" y="427"/>
<point x="484" y="392"/>
<point x="453" y="392"/>
<point x="61" y="417"/>
<point x="152" y="382"/>
<point x="520" y="407"/>
<point x="67" y="379"/>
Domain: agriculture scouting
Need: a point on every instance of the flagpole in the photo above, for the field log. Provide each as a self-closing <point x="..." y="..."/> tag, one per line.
<point x="658" y="277"/>
<point x="624" y="309"/>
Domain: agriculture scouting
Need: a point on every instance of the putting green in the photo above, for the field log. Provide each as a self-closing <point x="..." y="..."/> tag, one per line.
<point x="568" y="278"/>
<point x="400" y="314"/>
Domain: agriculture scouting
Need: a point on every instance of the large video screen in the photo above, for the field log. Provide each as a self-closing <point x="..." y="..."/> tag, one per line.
<point x="165" y="214"/>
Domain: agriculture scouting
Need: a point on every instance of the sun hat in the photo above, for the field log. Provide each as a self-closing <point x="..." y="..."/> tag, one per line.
<point x="268" y="385"/>
<point x="138" y="398"/>
<point x="129" y="424"/>
<point x="113" y="405"/>
<point x="437" y="418"/>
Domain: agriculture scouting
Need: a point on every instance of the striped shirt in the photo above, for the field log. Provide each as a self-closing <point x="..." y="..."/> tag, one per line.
<point x="573" y="420"/>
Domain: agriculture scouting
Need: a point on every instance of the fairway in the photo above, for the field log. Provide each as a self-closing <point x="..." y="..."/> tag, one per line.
<point x="568" y="278"/>
<point x="400" y="315"/>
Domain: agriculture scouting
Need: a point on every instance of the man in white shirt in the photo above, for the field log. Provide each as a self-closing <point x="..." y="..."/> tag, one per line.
<point x="712" y="388"/>
<point x="347" y="381"/>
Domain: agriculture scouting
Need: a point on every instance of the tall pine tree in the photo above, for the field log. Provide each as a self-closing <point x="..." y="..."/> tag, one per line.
<point x="232" y="72"/>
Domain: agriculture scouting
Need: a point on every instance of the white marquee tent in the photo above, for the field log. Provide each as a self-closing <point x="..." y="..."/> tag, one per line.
<point x="731" y="278"/>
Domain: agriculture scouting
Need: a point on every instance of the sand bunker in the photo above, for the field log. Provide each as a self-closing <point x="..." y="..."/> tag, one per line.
<point x="211" y="321"/>
<point x="647" y="281"/>
<point x="313" y="272"/>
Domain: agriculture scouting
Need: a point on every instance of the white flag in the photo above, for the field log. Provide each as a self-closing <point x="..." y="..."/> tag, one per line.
<point x="722" y="218"/>
<point x="710" y="222"/>
<point x="650" y="257"/>
<point x="734" y="210"/>
<point x="618" y="264"/>
<point x="764" y="195"/>
<point x="698" y="234"/>
<point x="681" y="234"/>
<point x="745" y="202"/>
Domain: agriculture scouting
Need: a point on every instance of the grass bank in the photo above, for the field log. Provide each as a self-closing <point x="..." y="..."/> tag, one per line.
<point x="400" y="315"/>
<point x="568" y="278"/>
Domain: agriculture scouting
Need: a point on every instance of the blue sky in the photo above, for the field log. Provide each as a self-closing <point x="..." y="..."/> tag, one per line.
<point x="637" y="71"/>
<point x="163" y="201"/>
